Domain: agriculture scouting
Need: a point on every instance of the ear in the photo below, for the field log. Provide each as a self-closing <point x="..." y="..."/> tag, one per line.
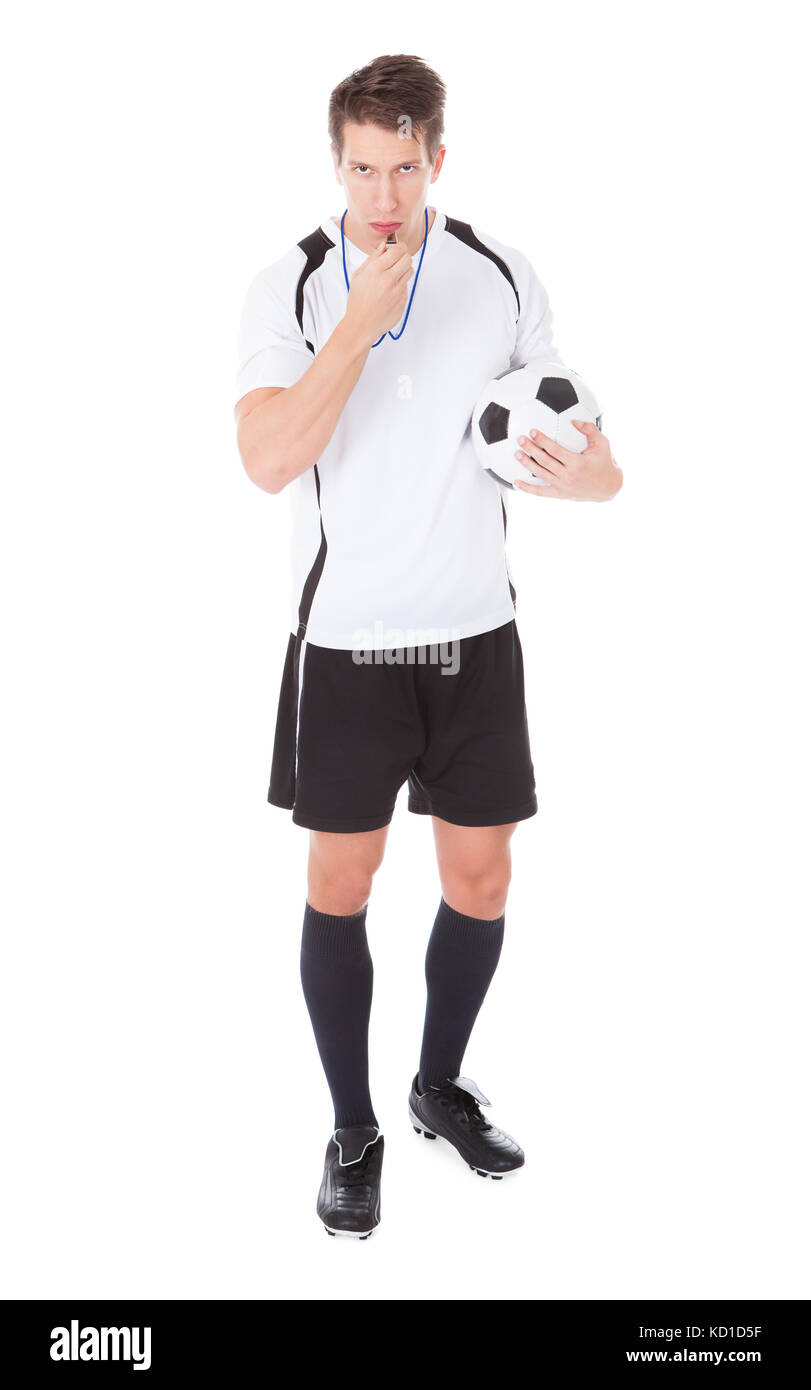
<point x="438" y="162"/>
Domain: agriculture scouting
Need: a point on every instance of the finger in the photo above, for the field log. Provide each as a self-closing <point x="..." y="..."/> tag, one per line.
<point x="396" y="262"/>
<point x="548" y="446"/>
<point x="550" y="490"/>
<point x="533" y="466"/>
<point x="537" y="455"/>
<point x="589" y="430"/>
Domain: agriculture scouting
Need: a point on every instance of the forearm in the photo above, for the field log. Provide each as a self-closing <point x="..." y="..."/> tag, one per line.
<point x="285" y="435"/>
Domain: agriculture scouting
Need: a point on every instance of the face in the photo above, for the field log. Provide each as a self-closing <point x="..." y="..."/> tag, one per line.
<point x="385" y="179"/>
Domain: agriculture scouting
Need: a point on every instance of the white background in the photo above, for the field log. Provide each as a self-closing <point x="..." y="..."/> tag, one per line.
<point x="645" y="1037"/>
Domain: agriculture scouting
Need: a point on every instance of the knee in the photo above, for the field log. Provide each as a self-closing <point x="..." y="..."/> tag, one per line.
<point x="482" y="893"/>
<point x="339" y="892"/>
<point x="340" y="870"/>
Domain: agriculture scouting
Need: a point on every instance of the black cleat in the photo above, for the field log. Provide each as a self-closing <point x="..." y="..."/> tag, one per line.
<point x="451" y="1110"/>
<point x="349" y="1197"/>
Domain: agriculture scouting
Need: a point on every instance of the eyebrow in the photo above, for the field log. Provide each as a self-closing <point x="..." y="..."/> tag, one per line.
<point x="414" y="160"/>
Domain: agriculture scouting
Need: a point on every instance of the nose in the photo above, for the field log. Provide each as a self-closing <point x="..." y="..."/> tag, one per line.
<point x="386" y="202"/>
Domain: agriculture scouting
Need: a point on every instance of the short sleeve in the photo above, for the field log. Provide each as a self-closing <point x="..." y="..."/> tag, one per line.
<point x="271" y="347"/>
<point x="534" y="337"/>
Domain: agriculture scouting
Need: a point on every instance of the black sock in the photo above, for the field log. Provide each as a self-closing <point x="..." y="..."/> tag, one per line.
<point x="336" y="976"/>
<point x="460" y="962"/>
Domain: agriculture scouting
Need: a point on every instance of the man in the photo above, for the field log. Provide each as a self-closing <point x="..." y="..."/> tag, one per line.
<point x="362" y="353"/>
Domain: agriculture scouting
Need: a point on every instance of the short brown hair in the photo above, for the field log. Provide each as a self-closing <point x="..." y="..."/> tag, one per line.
<point x="387" y="89"/>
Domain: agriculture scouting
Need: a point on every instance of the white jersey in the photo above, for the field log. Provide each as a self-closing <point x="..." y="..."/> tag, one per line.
<point x="398" y="532"/>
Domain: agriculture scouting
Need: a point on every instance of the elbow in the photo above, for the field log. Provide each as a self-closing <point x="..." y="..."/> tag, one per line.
<point x="264" y="470"/>
<point x="267" y="476"/>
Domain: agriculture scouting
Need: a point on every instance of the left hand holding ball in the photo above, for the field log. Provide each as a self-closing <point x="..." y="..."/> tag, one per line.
<point x="592" y="476"/>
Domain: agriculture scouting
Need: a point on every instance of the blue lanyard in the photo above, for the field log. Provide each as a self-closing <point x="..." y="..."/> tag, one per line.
<point x="395" y="336"/>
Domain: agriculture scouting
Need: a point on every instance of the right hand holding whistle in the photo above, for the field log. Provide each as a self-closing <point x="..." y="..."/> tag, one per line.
<point x="378" y="290"/>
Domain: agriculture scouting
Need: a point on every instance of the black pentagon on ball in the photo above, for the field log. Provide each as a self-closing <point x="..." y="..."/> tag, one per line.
<point x="557" y="393"/>
<point x="493" y="423"/>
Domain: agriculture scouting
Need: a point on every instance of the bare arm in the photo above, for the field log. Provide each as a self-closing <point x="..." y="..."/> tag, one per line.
<point x="283" y="431"/>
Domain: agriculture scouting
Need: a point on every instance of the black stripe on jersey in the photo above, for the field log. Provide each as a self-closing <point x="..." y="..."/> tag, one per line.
<point x="311" y="582"/>
<point x="315" y="247"/>
<point x="465" y="233"/>
<point x="509" y="581"/>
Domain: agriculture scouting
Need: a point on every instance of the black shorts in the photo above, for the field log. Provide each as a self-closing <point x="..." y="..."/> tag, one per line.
<point x="349" y="734"/>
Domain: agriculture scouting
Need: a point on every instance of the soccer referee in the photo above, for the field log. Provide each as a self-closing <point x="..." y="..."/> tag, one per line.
<point x="362" y="352"/>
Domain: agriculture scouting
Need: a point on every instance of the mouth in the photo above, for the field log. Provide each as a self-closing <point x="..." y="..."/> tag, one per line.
<point x="385" y="226"/>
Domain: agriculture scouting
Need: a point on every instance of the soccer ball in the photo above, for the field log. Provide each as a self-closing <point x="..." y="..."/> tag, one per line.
<point x="541" y="396"/>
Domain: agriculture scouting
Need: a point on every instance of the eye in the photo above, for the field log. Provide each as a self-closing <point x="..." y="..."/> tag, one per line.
<point x="360" y="168"/>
